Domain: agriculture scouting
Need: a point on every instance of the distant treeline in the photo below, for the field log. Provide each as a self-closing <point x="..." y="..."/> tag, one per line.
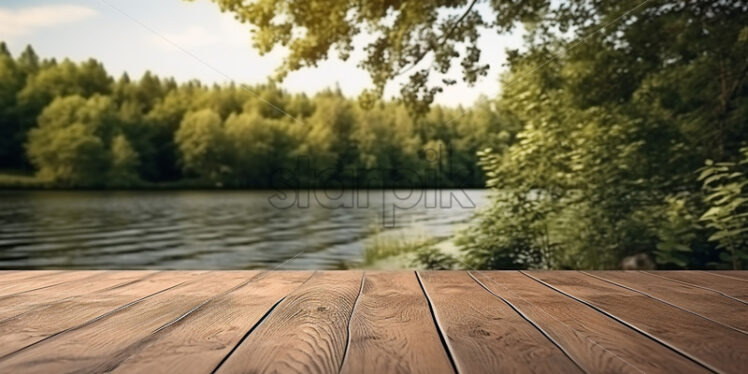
<point x="74" y="125"/>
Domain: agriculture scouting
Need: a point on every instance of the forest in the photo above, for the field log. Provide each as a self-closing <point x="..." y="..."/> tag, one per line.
<point x="619" y="133"/>
<point x="74" y="125"/>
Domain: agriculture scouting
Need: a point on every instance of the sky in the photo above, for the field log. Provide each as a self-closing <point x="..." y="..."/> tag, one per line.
<point x="194" y="40"/>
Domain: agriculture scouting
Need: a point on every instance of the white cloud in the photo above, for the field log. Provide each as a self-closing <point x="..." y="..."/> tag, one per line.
<point x="22" y="21"/>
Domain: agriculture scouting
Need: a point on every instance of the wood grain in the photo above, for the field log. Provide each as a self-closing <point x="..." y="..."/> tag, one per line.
<point x="343" y="321"/>
<point x="305" y="333"/>
<point x="392" y="330"/>
<point x="15" y="304"/>
<point x="714" y="346"/>
<point x="199" y="342"/>
<point x="598" y="343"/>
<point x="734" y="274"/>
<point x="45" y="321"/>
<point x="106" y="341"/>
<point x="484" y="334"/>
<point x="735" y="289"/>
<point x="14" y="276"/>
<point x="698" y="300"/>
<point x="40" y="280"/>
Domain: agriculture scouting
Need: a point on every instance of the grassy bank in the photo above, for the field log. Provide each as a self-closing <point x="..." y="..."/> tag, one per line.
<point x="388" y="252"/>
<point x="15" y="180"/>
<point x="19" y="180"/>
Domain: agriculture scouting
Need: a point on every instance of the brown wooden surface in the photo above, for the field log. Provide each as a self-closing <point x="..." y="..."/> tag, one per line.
<point x="91" y="346"/>
<point x="41" y="280"/>
<point x="392" y="330"/>
<point x="713" y="345"/>
<point x="484" y="334"/>
<point x="599" y="344"/>
<point x="734" y="274"/>
<point x="11" y="277"/>
<point x="200" y="341"/>
<point x="47" y="320"/>
<point x="306" y="333"/>
<point x="22" y="302"/>
<point x="378" y="322"/>
<point x="715" y="283"/>
<point x="705" y="303"/>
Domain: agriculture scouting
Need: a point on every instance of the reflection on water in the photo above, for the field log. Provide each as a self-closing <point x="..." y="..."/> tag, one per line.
<point x="214" y="229"/>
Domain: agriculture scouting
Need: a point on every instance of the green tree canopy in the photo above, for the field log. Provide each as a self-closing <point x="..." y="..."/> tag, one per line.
<point x="202" y="143"/>
<point x="617" y="117"/>
<point x="70" y="145"/>
<point x="403" y="33"/>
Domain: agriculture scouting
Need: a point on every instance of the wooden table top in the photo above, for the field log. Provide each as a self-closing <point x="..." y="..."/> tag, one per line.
<point x="373" y="322"/>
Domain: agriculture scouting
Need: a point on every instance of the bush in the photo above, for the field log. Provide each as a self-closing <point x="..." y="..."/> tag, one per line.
<point x="433" y="259"/>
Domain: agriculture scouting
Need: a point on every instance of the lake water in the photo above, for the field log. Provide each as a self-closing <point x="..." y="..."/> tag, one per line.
<point x="217" y="229"/>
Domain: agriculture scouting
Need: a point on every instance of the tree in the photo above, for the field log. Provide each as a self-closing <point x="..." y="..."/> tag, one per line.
<point x="405" y="34"/>
<point x="11" y="149"/>
<point x="124" y="164"/>
<point x="267" y="100"/>
<point x="28" y="61"/>
<point x="202" y="144"/>
<point x="726" y="193"/>
<point x="148" y="90"/>
<point x="387" y="147"/>
<point x="49" y="81"/>
<point x="328" y="139"/>
<point x="163" y="122"/>
<point x="260" y="148"/>
<point x="63" y="79"/>
<point x="69" y="147"/>
<point x="275" y="131"/>
<point x="614" y="124"/>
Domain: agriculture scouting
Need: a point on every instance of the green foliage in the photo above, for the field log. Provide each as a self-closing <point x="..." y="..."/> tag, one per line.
<point x="14" y="180"/>
<point x="12" y="81"/>
<point x="259" y="147"/>
<point x="724" y="185"/>
<point x="591" y="149"/>
<point x="677" y="233"/>
<point x="203" y="144"/>
<point x="385" y="139"/>
<point x="63" y="79"/>
<point x="614" y="122"/>
<point x="512" y="234"/>
<point x="433" y="259"/>
<point x="69" y="147"/>
<point x="404" y="33"/>
<point x="71" y="156"/>
<point x="252" y="134"/>
<point x="382" y="247"/>
<point x="125" y="162"/>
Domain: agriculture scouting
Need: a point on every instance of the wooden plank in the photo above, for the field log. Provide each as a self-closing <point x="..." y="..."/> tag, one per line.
<point x="484" y="334"/>
<point x="199" y="342"/>
<point x="94" y="347"/>
<point x="735" y="274"/>
<point x="13" y="276"/>
<point x="729" y="288"/>
<point x="597" y="343"/>
<point x="714" y="346"/>
<point x="392" y="330"/>
<point x="13" y="305"/>
<point x="306" y="332"/>
<point x="705" y="303"/>
<point x="42" y="280"/>
<point x="41" y="323"/>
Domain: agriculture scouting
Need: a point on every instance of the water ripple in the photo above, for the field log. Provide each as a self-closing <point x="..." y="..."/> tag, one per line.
<point x="196" y="230"/>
